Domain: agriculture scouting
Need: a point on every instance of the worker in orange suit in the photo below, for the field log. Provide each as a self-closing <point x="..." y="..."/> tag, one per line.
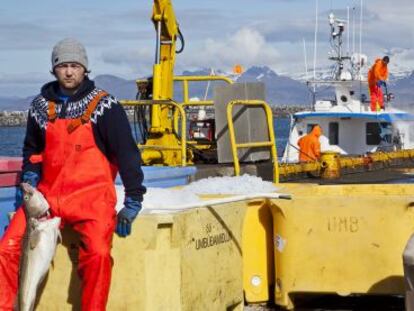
<point x="310" y="146"/>
<point x="377" y="76"/>
<point x="77" y="138"/>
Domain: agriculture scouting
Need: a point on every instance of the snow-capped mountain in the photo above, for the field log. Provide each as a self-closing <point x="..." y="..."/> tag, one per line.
<point x="280" y="89"/>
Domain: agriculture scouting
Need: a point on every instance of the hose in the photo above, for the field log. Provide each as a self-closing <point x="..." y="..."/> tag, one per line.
<point x="181" y="37"/>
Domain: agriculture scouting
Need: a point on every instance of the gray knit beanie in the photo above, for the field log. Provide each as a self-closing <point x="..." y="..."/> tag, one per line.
<point x="69" y="50"/>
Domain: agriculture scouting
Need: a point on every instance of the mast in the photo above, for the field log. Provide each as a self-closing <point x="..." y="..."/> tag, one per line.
<point x="314" y="54"/>
<point x="337" y="30"/>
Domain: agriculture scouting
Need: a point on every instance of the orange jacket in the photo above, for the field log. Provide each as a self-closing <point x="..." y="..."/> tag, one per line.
<point x="378" y="71"/>
<point x="309" y="145"/>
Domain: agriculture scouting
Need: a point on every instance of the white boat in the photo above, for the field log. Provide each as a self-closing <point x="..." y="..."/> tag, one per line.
<point x="349" y="126"/>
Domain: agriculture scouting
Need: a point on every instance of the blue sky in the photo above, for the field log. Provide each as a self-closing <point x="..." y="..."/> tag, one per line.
<point x="120" y="37"/>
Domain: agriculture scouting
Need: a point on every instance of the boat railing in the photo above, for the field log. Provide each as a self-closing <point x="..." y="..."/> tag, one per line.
<point x="270" y="143"/>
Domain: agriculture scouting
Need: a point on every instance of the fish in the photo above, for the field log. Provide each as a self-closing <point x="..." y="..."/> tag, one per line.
<point x="35" y="204"/>
<point x="38" y="246"/>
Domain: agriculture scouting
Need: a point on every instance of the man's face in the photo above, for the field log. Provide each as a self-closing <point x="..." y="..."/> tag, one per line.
<point x="69" y="75"/>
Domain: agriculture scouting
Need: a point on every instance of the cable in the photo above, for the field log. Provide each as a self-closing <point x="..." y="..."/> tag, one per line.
<point x="181" y="37"/>
<point x="140" y="120"/>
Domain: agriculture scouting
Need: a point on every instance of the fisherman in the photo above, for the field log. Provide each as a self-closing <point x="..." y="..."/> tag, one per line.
<point x="77" y="138"/>
<point x="377" y="76"/>
<point x="310" y="146"/>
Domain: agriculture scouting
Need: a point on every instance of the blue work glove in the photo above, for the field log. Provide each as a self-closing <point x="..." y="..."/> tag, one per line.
<point x="29" y="177"/>
<point x="381" y="83"/>
<point x="126" y="216"/>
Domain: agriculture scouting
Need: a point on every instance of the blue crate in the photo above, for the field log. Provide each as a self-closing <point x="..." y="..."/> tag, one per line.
<point x="165" y="176"/>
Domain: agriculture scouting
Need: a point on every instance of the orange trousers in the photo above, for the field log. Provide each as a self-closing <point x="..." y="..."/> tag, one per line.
<point x="377" y="98"/>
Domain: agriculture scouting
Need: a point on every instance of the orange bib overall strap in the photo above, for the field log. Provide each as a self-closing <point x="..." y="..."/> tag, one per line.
<point x="88" y="112"/>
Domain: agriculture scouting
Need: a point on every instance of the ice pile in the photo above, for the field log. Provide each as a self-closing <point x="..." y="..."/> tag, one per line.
<point x="244" y="184"/>
<point x="167" y="200"/>
<point x="159" y="198"/>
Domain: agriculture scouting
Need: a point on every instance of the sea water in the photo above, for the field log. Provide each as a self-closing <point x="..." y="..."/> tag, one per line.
<point x="11" y="138"/>
<point x="11" y="141"/>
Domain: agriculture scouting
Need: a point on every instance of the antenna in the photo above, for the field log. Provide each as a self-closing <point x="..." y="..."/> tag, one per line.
<point x="347" y="22"/>
<point x="353" y="30"/>
<point x="315" y="47"/>
<point x="360" y="35"/>
<point x="314" y="56"/>
<point x="360" y="29"/>
<point x="306" y="59"/>
<point x="212" y="73"/>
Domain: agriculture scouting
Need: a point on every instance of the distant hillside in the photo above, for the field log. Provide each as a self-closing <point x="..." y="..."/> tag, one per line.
<point x="120" y="88"/>
<point x="403" y="90"/>
<point x="280" y="90"/>
<point x="15" y="103"/>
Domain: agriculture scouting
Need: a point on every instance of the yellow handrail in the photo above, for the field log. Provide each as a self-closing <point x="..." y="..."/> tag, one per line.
<point x="186" y="100"/>
<point x="183" y="139"/>
<point x="185" y="81"/>
<point x="270" y="143"/>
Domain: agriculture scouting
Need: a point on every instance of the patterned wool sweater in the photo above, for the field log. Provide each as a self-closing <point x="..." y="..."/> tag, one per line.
<point x="110" y="125"/>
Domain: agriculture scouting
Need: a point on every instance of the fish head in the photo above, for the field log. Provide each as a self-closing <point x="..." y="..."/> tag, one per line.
<point x="34" y="201"/>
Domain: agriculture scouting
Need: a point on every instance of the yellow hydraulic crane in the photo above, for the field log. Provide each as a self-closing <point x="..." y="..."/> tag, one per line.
<point x="167" y="31"/>
<point x="164" y="146"/>
<point x="165" y="140"/>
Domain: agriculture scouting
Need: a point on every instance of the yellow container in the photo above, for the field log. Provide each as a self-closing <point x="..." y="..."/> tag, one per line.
<point x="342" y="239"/>
<point x="190" y="260"/>
<point x="258" y="263"/>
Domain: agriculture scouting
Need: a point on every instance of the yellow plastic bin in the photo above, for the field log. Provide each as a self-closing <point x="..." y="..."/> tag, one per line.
<point x="190" y="260"/>
<point x="344" y="239"/>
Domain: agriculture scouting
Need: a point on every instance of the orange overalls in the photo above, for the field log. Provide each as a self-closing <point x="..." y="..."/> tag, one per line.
<point x="309" y="145"/>
<point x="379" y="71"/>
<point x="78" y="182"/>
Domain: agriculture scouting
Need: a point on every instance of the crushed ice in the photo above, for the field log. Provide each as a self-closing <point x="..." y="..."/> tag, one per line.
<point x="171" y="198"/>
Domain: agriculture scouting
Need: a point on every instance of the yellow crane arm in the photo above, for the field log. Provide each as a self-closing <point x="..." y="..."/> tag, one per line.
<point x="167" y="31"/>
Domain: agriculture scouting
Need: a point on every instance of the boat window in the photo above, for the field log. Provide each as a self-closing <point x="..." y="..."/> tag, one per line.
<point x="377" y="132"/>
<point x="344" y="99"/>
<point x="333" y="133"/>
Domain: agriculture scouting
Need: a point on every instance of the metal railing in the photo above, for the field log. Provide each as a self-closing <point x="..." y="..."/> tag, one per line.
<point x="271" y="143"/>
<point x="185" y="83"/>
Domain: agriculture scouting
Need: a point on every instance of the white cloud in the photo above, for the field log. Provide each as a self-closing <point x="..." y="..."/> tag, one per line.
<point x="246" y="46"/>
<point x="401" y="60"/>
<point x="120" y="39"/>
<point x="127" y="63"/>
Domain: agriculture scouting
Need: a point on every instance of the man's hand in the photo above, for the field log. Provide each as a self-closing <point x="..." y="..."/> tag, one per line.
<point x="381" y="83"/>
<point x="31" y="178"/>
<point x="126" y="216"/>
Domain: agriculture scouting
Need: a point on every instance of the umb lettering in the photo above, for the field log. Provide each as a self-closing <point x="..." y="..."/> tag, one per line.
<point x="343" y="224"/>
